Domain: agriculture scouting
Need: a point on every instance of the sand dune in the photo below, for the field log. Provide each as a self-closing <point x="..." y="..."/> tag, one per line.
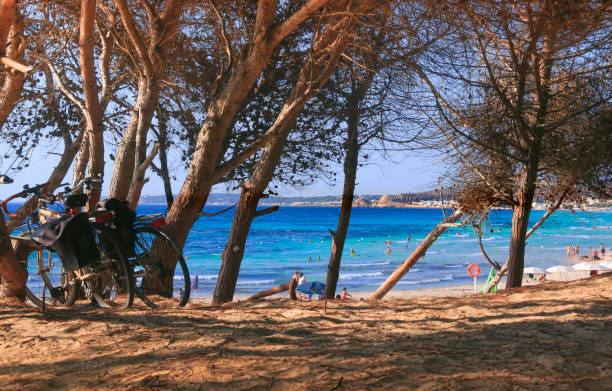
<point x="551" y="336"/>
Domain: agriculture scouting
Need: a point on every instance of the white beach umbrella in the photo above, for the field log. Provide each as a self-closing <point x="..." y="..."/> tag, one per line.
<point x="607" y="264"/>
<point x="532" y="270"/>
<point x="590" y="266"/>
<point x="559" y="269"/>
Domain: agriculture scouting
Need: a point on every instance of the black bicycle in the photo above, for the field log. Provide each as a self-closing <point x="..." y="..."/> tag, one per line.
<point x="157" y="265"/>
<point x="73" y="250"/>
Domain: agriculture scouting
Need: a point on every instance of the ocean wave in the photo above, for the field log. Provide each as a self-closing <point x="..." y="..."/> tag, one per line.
<point x="368" y="264"/>
<point x="444" y="278"/>
<point x="351" y="276"/>
<point x="201" y="277"/>
<point x="260" y="282"/>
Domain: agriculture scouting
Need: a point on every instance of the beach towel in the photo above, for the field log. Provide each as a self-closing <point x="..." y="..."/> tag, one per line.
<point x="491" y="275"/>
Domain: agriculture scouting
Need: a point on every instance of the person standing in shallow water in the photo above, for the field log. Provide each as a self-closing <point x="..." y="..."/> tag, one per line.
<point x="293" y="284"/>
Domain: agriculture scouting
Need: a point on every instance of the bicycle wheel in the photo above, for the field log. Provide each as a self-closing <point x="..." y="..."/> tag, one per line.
<point x="150" y="273"/>
<point x="47" y="273"/>
<point x="108" y="280"/>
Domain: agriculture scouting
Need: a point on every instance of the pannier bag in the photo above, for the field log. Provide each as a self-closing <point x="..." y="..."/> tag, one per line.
<point x="72" y="238"/>
<point x="124" y="221"/>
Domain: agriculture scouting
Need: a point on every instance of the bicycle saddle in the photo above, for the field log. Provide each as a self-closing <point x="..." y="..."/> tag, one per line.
<point x="74" y="201"/>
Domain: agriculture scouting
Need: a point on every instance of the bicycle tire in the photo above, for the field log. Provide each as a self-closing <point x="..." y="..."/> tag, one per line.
<point x="110" y="281"/>
<point x="145" y="263"/>
<point x="61" y="285"/>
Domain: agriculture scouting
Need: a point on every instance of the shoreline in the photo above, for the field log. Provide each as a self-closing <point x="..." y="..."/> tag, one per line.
<point x="457" y="290"/>
<point x="267" y="204"/>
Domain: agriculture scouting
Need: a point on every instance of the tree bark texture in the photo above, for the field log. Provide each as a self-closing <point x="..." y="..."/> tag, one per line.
<point x="14" y="274"/>
<point x="350" y="175"/>
<point x="520" y="218"/>
<point x="269" y="292"/>
<point x="234" y="248"/>
<point x="8" y="10"/>
<point x="416" y="255"/>
<point x="80" y="162"/>
<point x="13" y="79"/>
<point x="495" y="280"/>
<point x="163" y="171"/>
<point x="92" y="104"/>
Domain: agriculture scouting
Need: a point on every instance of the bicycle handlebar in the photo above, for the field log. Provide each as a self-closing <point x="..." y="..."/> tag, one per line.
<point x="39" y="190"/>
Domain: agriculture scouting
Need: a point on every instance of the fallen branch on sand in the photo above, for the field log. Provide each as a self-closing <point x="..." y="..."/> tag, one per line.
<point x="277" y="289"/>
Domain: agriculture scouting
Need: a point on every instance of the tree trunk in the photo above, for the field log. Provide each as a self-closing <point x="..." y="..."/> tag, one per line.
<point x="163" y="157"/>
<point x="8" y="10"/>
<point x="350" y="174"/>
<point x="416" y="255"/>
<point x="123" y="165"/>
<point x="13" y="79"/>
<point x="495" y="280"/>
<point x="80" y="163"/>
<point x="90" y="91"/>
<point x="145" y="116"/>
<point x="520" y="218"/>
<point x="234" y="248"/>
<point x="269" y="292"/>
<point x="14" y="274"/>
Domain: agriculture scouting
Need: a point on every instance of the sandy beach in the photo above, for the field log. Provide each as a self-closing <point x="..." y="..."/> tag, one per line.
<point x="554" y="336"/>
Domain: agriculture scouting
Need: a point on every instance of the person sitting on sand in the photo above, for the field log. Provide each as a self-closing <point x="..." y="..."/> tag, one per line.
<point x="345" y="294"/>
<point x="293" y="284"/>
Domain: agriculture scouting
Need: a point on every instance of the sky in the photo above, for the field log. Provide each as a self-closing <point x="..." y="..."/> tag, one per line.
<point x="401" y="174"/>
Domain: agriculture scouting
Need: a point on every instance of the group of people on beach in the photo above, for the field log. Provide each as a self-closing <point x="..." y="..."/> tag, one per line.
<point x="298" y="279"/>
<point x="572" y="252"/>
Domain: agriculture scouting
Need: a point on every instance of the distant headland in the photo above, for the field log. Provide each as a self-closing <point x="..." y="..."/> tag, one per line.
<point x="427" y="199"/>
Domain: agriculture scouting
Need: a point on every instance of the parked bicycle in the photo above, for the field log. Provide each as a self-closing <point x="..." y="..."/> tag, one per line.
<point x="157" y="263"/>
<point x="73" y="249"/>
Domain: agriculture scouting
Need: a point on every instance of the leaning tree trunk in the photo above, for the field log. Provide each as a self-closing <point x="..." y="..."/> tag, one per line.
<point x="163" y="171"/>
<point x="92" y="103"/>
<point x="495" y="280"/>
<point x="234" y="249"/>
<point x="416" y="254"/>
<point x="520" y="219"/>
<point x="13" y="79"/>
<point x="14" y="275"/>
<point x="350" y="174"/>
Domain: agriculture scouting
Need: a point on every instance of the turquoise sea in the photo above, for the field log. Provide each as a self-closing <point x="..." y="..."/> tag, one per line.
<point x="295" y="237"/>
